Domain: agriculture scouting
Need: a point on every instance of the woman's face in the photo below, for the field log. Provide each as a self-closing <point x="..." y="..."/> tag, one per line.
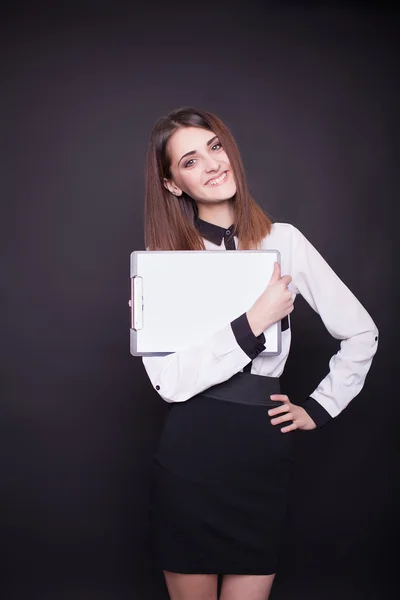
<point x="199" y="166"/>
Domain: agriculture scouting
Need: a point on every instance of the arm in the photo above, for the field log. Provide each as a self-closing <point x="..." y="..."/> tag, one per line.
<point x="345" y="318"/>
<point x="181" y="375"/>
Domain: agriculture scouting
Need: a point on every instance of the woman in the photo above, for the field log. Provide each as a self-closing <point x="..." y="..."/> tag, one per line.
<point x="222" y="467"/>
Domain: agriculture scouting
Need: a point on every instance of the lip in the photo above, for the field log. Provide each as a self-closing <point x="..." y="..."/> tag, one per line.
<point x="222" y="182"/>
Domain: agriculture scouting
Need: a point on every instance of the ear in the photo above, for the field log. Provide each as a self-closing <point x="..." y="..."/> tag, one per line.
<point x="171" y="187"/>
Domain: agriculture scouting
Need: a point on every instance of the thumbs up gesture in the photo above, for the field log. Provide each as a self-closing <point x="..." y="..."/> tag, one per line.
<point x="274" y="304"/>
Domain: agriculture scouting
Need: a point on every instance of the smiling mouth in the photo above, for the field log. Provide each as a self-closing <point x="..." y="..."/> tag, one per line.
<point x="217" y="180"/>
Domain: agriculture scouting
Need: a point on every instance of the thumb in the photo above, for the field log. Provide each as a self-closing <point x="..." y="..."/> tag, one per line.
<point x="276" y="273"/>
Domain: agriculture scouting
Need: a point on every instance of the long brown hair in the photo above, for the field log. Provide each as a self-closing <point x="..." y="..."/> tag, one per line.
<point x="169" y="220"/>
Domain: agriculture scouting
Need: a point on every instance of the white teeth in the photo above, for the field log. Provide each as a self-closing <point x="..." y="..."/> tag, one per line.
<point x="218" y="180"/>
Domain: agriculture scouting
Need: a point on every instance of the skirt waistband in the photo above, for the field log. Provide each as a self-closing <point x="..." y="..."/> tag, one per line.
<point x="246" y="388"/>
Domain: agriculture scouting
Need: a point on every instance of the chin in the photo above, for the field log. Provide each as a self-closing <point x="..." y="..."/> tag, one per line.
<point x="226" y="194"/>
<point x="223" y="192"/>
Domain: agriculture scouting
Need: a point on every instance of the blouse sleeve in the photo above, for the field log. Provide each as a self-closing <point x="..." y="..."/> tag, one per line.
<point x="345" y="318"/>
<point x="181" y="375"/>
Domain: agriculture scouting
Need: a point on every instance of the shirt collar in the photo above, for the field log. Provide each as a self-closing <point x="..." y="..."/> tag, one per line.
<point x="213" y="233"/>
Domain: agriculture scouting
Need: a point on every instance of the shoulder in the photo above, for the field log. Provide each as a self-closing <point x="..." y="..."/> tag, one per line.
<point x="282" y="234"/>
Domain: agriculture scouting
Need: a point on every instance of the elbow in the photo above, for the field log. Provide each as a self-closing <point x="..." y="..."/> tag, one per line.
<point x="361" y="346"/>
<point x="368" y="336"/>
<point x="165" y="379"/>
<point x="172" y="388"/>
<point x="171" y="395"/>
<point x="375" y="338"/>
<point x="376" y="341"/>
<point x="369" y="341"/>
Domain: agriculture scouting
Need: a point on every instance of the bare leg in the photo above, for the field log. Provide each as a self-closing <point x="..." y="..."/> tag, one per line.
<point x="191" y="587"/>
<point x="250" y="587"/>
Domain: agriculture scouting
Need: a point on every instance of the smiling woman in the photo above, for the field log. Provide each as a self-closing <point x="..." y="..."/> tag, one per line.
<point x="223" y="464"/>
<point x="194" y="167"/>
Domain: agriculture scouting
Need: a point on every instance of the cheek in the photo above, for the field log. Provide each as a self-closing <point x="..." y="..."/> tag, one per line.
<point x="226" y="159"/>
<point x="190" y="179"/>
<point x="227" y="162"/>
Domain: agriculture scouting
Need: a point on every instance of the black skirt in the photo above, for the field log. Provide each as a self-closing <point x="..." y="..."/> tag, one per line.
<point x="221" y="481"/>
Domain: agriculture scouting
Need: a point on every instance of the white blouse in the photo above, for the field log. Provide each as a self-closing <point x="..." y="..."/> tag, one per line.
<point x="181" y="375"/>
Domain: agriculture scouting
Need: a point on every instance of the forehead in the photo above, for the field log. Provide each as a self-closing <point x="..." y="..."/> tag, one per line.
<point x="186" y="139"/>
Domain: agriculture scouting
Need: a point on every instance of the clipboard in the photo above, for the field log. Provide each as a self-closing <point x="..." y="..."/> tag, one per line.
<point x="181" y="298"/>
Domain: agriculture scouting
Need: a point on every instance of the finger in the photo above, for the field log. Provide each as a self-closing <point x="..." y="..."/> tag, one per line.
<point x="280" y="397"/>
<point x="277" y="411"/>
<point x="276" y="273"/>
<point x="286" y="279"/>
<point x="288" y="428"/>
<point x="288" y="296"/>
<point x="286" y="417"/>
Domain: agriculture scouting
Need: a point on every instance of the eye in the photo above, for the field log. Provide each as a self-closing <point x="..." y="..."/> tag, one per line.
<point x="217" y="145"/>
<point x="187" y="164"/>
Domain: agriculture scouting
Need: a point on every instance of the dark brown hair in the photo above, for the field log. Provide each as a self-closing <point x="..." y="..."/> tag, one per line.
<point x="169" y="220"/>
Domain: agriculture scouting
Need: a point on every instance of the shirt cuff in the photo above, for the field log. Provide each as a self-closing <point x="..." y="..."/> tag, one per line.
<point x="249" y="343"/>
<point x="317" y="412"/>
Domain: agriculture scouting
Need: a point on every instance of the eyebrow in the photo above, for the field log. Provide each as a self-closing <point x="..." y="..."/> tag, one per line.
<point x="194" y="151"/>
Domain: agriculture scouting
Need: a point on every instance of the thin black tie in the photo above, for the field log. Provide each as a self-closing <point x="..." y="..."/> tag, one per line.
<point x="229" y="240"/>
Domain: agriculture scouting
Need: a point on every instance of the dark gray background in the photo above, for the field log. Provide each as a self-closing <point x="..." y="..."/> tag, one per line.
<point x="310" y="92"/>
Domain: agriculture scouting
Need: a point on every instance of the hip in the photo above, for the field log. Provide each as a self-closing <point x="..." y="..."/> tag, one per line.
<point x="225" y="430"/>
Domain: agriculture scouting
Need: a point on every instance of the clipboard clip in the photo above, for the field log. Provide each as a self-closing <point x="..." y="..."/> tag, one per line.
<point x="136" y="302"/>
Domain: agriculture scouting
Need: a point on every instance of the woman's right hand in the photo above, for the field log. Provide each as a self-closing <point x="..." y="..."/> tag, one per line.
<point x="274" y="304"/>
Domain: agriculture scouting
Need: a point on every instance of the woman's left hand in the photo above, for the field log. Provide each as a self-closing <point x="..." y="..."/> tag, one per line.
<point x="290" y="412"/>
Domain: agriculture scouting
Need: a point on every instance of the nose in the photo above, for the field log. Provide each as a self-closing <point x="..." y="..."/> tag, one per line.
<point x="211" y="164"/>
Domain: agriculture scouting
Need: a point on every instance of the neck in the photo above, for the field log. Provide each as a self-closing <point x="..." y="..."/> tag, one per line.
<point x="222" y="214"/>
